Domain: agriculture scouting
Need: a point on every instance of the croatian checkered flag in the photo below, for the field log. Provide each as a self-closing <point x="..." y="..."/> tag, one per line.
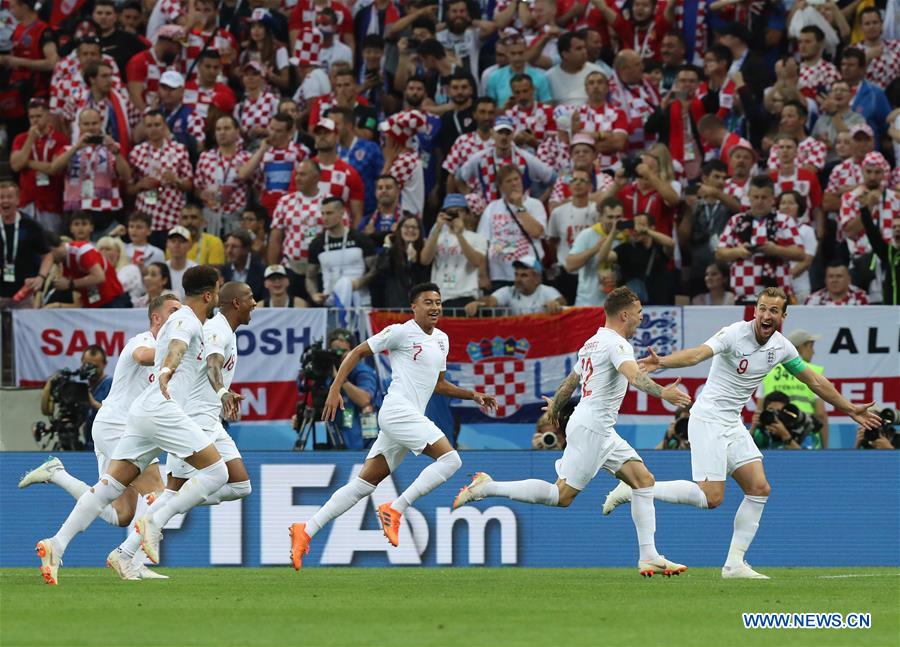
<point x="403" y="126"/>
<point x="306" y="49"/>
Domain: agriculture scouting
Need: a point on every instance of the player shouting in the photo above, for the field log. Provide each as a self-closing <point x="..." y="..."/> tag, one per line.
<point x="743" y="354"/>
<point x="205" y="407"/>
<point x="418" y="355"/>
<point x="605" y="368"/>
<point x="157" y="421"/>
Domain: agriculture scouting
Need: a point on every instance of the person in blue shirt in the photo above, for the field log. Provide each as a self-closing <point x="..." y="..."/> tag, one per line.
<point x="498" y="87"/>
<point x="869" y="100"/>
<point x="357" y="421"/>
<point x="363" y="155"/>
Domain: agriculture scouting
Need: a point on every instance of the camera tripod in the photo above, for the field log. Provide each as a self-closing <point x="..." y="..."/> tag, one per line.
<point x="307" y="423"/>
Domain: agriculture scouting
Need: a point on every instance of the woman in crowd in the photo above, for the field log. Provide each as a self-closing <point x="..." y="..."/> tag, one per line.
<point x="263" y="48"/>
<point x="278" y="286"/>
<point x="400" y="266"/>
<point x="253" y="220"/>
<point x="792" y="204"/>
<point x="716" y="279"/>
<point x="113" y="250"/>
<point x="157" y="279"/>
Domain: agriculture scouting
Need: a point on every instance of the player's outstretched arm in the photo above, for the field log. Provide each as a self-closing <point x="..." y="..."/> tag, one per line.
<point x="174" y="354"/>
<point x="561" y="397"/>
<point x="443" y="387"/>
<point x="822" y="387"/>
<point x="678" y="359"/>
<point x="642" y="381"/>
<point x="230" y="400"/>
<point x="334" y="401"/>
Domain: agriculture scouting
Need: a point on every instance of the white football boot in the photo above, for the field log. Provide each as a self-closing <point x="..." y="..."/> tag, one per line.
<point x="121" y="564"/>
<point x="472" y="491"/>
<point x="660" y="566"/>
<point x="50" y="561"/>
<point x="43" y="473"/>
<point x="742" y="572"/>
<point x="616" y="497"/>
<point x="150" y="538"/>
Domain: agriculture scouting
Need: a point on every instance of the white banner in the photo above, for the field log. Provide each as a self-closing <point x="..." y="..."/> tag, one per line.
<point x="269" y="348"/>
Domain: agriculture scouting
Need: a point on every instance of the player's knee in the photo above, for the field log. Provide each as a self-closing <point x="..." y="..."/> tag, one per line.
<point x="760" y="489"/>
<point x="241" y="489"/>
<point x="645" y="480"/>
<point x="566" y="498"/>
<point x="714" y="499"/>
<point x="451" y="459"/>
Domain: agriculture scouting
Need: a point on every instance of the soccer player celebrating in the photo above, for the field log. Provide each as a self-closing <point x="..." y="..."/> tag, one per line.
<point x="132" y="375"/>
<point x="205" y="407"/>
<point x="157" y="422"/>
<point x="604" y="369"/>
<point x="418" y="354"/>
<point x="743" y="354"/>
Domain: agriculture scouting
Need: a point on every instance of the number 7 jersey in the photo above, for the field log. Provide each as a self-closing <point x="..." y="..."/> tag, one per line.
<point x="602" y="386"/>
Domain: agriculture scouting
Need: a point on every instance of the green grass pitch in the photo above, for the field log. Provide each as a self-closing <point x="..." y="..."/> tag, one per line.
<point x="457" y="607"/>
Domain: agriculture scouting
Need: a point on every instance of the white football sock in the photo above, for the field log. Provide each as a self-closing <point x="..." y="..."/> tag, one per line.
<point x="229" y="492"/>
<point x="192" y="493"/>
<point x="341" y="501"/>
<point x="132" y="543"/>
<point x="746" y="521"/>
<point x="432" y="476"/>
<point x="87" y="509"/>
<point x="643" y="514"/>
<point x="686" y="492"/>
<point x="528" y="491"/>
<point x="75" y="487"/>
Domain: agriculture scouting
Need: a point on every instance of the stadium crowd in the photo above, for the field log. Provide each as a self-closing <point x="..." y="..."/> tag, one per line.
<point x="526" y="154"/>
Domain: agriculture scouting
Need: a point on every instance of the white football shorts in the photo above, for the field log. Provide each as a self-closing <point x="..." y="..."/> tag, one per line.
<point x="162" y="426"/>
<point x="718" y="449"/>
<point x="589" y="449"/>
<point x="402" y="429"/>
<point x="224" y="444"/>
<point x="106" y="435"/>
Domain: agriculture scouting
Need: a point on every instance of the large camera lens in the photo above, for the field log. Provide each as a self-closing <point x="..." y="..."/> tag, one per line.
<point x="549" y="439"/>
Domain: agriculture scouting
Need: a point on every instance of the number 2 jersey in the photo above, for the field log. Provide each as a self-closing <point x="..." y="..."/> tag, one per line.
<point x="218" y="339"/>
<point x="417" y="360"/>
<point x="738" y="367"/>
<point x="602" y="386"/>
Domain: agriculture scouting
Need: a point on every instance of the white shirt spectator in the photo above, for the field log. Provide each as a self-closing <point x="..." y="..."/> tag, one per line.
<point x="525" y="304"/>
<point x="177" y="275"/>
<point x="568" y="89"/>
<point x="809" y="243"/>
<point x="466" y="46"/>
<point x="506" y="241"/>
<point x="451" y="270"/>
<point x="337" y="52"/>
<point x="566" y="222"/>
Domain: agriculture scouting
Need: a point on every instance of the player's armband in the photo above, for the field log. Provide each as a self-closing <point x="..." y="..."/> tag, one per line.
<point x="795" y="366"/>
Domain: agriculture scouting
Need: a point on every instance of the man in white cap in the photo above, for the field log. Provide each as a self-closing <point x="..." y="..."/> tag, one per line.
<point x="178" y="244"/>
<point x="526" y="296"/>
<point x="185" y="125"/>
<point x="337" y="178"/>
<point x="800" y="395"/>
<point x="583" y="156"/>
<point x="145" y="70"/>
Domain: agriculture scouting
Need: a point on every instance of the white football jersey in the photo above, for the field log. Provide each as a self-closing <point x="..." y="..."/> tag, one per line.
<point x="129" y="379"/>
<point x="602" y="386"/>
<point x="218" y="339"/>
<point x="184" y="326"/>
<point x="738" y="367"/>
<point x="417" y="359"/>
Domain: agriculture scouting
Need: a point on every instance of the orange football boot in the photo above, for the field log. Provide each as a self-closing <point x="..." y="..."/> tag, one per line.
<point x="299" y="544"/>
<point x="390" y="523"/>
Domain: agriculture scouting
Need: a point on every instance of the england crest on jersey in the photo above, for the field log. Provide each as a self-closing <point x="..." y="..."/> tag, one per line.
<point x="498" y="367"/>
<point x="660" y="328"/>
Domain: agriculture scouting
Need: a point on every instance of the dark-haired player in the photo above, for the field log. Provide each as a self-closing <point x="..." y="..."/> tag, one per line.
<point x="743" y="354"/>
<point x="157" y="421"/>
<point x="418" y="354"/>
<point x="604" y="369"/>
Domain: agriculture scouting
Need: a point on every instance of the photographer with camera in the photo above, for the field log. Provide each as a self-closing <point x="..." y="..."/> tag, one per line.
<point x="68" y="406"/>
<point x="356" y="427"/>
<point x="780" y="424"/>
<point x="676" y="436"/>
<point x="884" y="437"/>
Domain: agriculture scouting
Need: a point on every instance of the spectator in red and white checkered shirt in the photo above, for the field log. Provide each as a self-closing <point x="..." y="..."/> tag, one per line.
<point x="635" y="96"/>
<point x="297" y="220"/>
<point x="816" y="74"/>
<point x="401" y="159"/>
<point x="759" y="245"/>
<point x="216" y="181"/>
<point x="117" y="114"/>
<point x="741" y="163"/>
<point x="145" y="69"/>
<point x="883" y="56"/>
<point x="200" y="39"/>
<point x="847" y="175"/>
<point x="606" y="124"/>
<point x="471" y="143"/>
<point x="337" y="177"/>
<point x="68" y="82"/>
<point x="273" y="162"/>
<point x="884" y="209"/>
<point x="838" y="290"/>
<point x="258" y="107"/>
<point x="805" y="182"/>
<point x="811" y="153"/>
<point x="532" y="120"/>
<point x="162" y="174"/>
<point x="200" y="91"/>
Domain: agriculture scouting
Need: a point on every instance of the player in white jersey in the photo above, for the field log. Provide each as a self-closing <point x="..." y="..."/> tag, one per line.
<point x="604" y="369"/>
<point x="205" y="408"/>
<point x="134" y="370"/>
<point x="418" y="355"/>
<point x="743" y="354"/>
<point x="157" y="422"/>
